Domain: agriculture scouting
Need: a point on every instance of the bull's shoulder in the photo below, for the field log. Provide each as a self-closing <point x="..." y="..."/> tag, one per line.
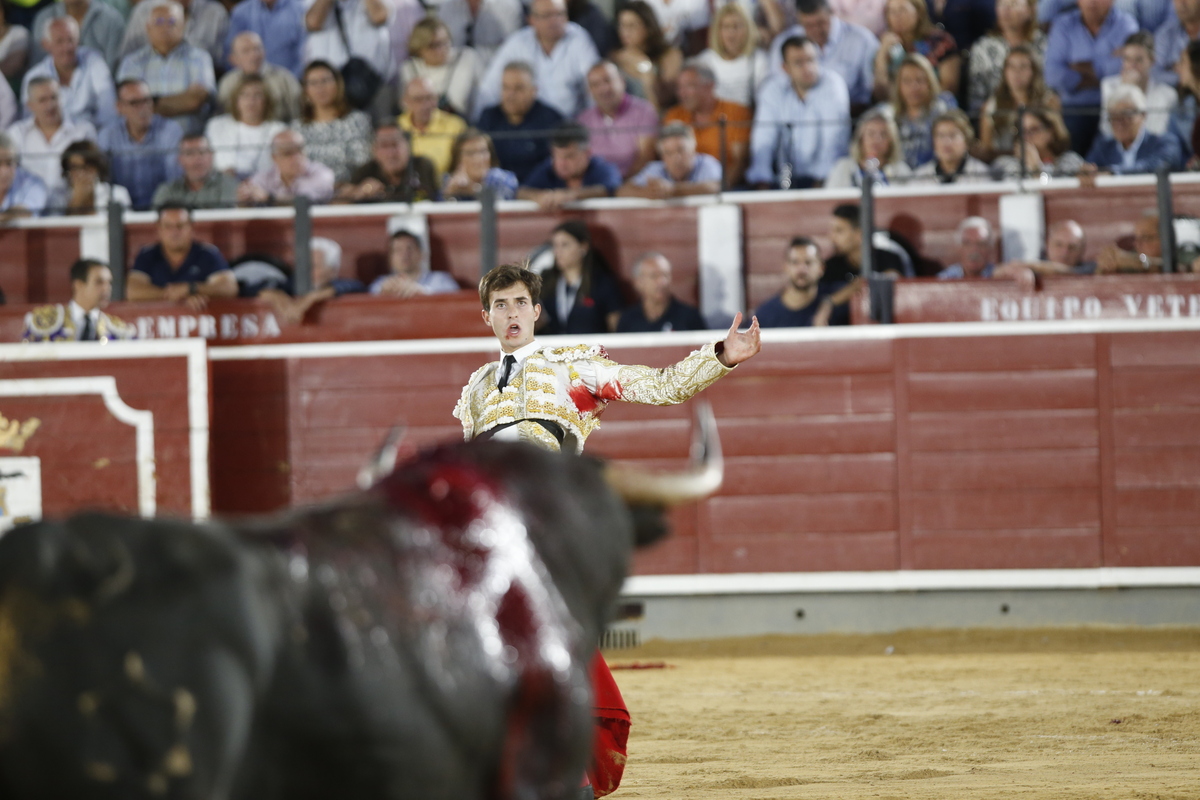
<point x="575" y="352"/>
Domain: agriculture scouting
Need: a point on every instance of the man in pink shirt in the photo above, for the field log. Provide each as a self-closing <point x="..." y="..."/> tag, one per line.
<point x="623" y="127"/>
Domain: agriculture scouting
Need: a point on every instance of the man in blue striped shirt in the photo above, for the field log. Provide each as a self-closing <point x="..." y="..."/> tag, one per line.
<point x="141" y="145"/>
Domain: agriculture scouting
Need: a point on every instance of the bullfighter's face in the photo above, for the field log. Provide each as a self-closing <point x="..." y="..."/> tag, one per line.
<point x="512" y="315"/>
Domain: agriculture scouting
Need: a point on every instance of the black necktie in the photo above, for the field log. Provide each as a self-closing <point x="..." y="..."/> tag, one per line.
<point x="506" y="371"/>
<point x="89" y="330"/>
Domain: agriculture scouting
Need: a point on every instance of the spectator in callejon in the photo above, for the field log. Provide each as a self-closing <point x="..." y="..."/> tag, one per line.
<point x="722" y="128"/>
<point x="278" y="28"/>
<point x="22" y="194"/>
<point x="141" y="144"/>
<point x="241" y="139"/>
<point x="681" y="172"/>
<point x="178" y="268"/>
<point x="952" y="162"/>
<point x="394" y="175"/>
<point x="85" y="189"/>
<point x="179" y="74"/>
<point x="875" y="148"/>
<point x="201" y="185"/>
<point x="83" y="318"/>
<point x="622" y="127"/>
<point x="571" y="173"/>
<point x="976" y="251"/>
<point x="579" y="293"/>
<point x="802" y="122"/>
<point x="432" y="130"/>
<point x="248" y="57"/>
<point x="42" y="137"/>
<point x="85" y="83"/>
<point x="520" y="125"/>
<point x="474" y="165"/>
<point x="409" y="274"/>
<point x="337" y="135"/>
<point x="805" y="300"/>
<point x="326" y="281"/>
<point x="657" y="308"/>
<point x="1065" y="246"/>
<point x="845" y="233"/>
<point x="292" y="174"/>
<point x="1131" y="149"/>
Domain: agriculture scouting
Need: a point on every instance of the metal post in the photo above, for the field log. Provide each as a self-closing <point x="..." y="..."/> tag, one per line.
<point x="302" y="282"/>
<point x="1166" y="219"/>
<point x="723" y="132"/>
<point x="488" y="238"/>
<point x="866" y="218"/>
<point x="1021" y="144"/>
<point x="116" y="248"/>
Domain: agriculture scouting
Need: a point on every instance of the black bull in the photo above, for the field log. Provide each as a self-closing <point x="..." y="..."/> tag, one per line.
<point x="427" y="638"/>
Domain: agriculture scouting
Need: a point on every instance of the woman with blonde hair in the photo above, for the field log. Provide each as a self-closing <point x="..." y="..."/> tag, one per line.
<point x="1021" y="84"/>
<point x="917" y="100"/>
<point x="875" y="147"/>
<point x="952" y="161"/>
<point x="910" y="31"/>
<point x="1016" y="26"/>
<point x="241" y="139"/>
<point x="734" y="56"/>
<point x="454" y="72"/>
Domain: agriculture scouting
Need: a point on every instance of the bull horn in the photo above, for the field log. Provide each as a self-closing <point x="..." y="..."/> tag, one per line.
<point x="702" y="478"/>
<point x="384" y="461"/>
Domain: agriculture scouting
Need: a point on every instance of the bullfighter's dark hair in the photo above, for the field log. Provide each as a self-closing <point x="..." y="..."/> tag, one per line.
<point x="81" y="268"/>
<point x="508" y="275"/>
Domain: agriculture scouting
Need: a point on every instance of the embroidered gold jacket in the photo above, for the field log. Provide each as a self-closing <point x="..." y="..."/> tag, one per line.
<point x="53" y="324"/>
<point x="572" y="386"/>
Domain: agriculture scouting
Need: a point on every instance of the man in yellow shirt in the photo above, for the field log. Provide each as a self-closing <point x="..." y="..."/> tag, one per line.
<point x="432" y="130"/>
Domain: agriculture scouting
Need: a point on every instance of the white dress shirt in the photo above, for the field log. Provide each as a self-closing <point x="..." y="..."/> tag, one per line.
<point x="561" y="74"/>
<point x="371" y="43"/>
<point x="90" y="96"/>
<point x="43" y="157"/>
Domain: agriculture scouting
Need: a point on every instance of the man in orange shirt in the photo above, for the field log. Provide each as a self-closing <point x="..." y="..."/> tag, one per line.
<point x="700" y="108"/>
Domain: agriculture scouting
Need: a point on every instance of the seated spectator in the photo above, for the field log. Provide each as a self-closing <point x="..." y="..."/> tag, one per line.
<point x="336" y="135"/>
<point x="867" y="13"/>
<point x="1183" y="118"/>
<point x="83" y="318"/>
<point x="14" y="47"/>
<point x="1065" y="246"/>
<point x="85" y="189"/>
<point x="559" y="54"/>
<point x="579" y="293"/>
<point x="910" y="32"/>
<point x="1146" y="255"/>
<point x="179" y="74"/>
<point x="1137" y="60"/>
<point x="802" y="125"/>
<point x="733" y="55"/>
<point x="409" y="274"/>
<point x="1016" y="26"/>
<point x="648" y="63"/>
<point x="248" y="57"/>
<point x="431" y="130"/>
<point x="22" y="194"/>
<point x="85" y="84"/>
<point x="205" y="27"/>
<point x="474" y="165"/>
<point x="806" y="300"/>
<point x="679" y="19"/>
<point x="481" y="25"/>
<point x="571" y="173"/>
<point x="101" y="28"/>
<point x="1172" y="37"/>
<point x="326" y="266"/>
<point x="976" y="251"/>
<point x="292" y="174"/>
<point x="875" y="148"/>
<point x="178" y="268"/>
<point x="241" y="139"/>
<point x="201" y="185"/>
<point x="917" y="101"/>
<point x="1131" y="149"/>
<point x="681" y="172"/>
<point x="622" y="126"/>
<point x="140" y="144"/>
<point x="453" y="72"/>
<point x="952" y="162"/>
<point x="394" y="175"/>
<point x="843" y="47"/>
<point x="722" y="128"/>
<point x="595" y="22"/>
<point x="43" y="136"/>
<point x="278" y="28"/>
<point x="520" y="125"/>
<point x="366" y="25"/>
<point x="657" y="308"/>
<point x="845" y="233"/>
<point x="1047" y="148"/>
<point x="1083" y="48"/>
<point x="1021" y="86"/>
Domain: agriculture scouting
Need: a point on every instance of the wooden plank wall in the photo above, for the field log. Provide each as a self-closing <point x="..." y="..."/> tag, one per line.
<point x="1072" y="450"/>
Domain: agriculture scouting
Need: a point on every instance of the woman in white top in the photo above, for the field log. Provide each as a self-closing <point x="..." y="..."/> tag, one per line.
<point x="241" y="139"/>
<point x="454" y="72"/>
<point x="733" y="55"/>
<point x="85" y="188"/>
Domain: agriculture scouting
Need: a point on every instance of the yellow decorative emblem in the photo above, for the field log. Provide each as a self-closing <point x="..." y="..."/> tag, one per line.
<point x="14" y="433"/>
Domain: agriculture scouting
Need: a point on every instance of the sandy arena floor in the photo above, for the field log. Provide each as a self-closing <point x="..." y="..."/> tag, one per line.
<point x="1060" y="714"/>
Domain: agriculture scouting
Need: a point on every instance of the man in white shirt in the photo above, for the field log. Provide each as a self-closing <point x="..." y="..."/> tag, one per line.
<point x="206" y="24"/>
<point x="85" y="83"/>
<point x="44" y="135"/>
<point x="481" y="24"/>
<point x="846" y="48"/>
<point x="366" y="23"/>
<point x="560" y="52"/>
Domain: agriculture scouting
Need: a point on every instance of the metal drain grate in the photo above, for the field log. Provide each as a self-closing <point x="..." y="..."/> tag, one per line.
<point x="620" y="639"/>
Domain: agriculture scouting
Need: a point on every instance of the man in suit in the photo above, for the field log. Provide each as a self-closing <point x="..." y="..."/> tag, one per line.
<point x="1131" y="149"/>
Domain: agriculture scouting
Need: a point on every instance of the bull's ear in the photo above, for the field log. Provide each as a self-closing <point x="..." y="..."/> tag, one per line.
<point x="649" y="524"/>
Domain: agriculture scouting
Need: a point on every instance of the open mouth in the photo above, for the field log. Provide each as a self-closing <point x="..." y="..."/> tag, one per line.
<point x="514" y="330"/>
